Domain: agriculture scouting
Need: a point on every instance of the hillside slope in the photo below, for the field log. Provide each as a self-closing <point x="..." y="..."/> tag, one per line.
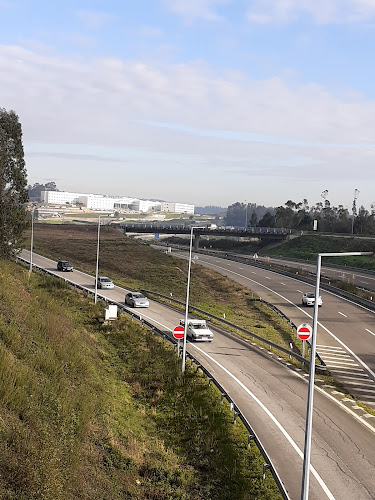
<point x="93" y="412"/>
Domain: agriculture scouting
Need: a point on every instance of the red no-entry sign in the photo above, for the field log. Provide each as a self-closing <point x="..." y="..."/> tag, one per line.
<point x="304" y="331"/>
<point x="178" y="332"/>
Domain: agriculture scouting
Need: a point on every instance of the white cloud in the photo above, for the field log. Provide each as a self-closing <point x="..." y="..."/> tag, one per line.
<point x="108" y="103"/>
<point x="190" y="10"/>
<point x="322" y="11"/>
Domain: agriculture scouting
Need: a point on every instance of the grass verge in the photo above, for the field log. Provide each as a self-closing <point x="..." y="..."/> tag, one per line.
<point x="93" y="412"/>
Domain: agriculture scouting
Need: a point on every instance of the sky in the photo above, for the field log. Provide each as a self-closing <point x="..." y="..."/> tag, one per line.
<point x="207" y="102"/>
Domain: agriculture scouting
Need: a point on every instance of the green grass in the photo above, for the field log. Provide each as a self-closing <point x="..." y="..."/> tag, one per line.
<point x="102" y="412"/>
<point x="308" y="246"/>
<point x="137" y="266"/>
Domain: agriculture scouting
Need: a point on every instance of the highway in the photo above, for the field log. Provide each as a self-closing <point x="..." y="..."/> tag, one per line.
<point x="272" y="396"/>
<point x="346" y="333"/>
<point x="360" y="278"/>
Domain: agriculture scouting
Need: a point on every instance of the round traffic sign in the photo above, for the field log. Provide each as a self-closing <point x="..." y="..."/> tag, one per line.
<point x="178" y="332"/>
<point x="304" y="331"/>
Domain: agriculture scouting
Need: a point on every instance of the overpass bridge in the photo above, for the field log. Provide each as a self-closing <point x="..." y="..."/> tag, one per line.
<point x="263" y="233"/>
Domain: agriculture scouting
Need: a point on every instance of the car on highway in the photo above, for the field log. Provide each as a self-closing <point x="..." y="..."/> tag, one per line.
<point x="198" y="330"/>
<point x="104" y="282"/>
<point x="64" y="265"/>
<point x="308" y="299"/>
<point x="136" y="299"/>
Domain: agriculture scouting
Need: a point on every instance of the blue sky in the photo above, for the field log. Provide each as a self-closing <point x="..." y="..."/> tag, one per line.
<point x="201" y="101"/>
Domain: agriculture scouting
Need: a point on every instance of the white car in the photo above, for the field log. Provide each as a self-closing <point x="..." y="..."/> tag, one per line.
<point x="308" y="299"/>
<point x="136" y="299"/>
<point x="198" y="330"/>
<point x="104" y="282"/>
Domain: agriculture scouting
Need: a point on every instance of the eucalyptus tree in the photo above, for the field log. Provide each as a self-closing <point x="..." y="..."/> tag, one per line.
<point x="13" y="184"/>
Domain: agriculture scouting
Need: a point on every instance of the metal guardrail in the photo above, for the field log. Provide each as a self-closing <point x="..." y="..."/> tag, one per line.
<point x="268" y="465"/>
<point x="338" y="291"/>
<point x="322" y="366"/>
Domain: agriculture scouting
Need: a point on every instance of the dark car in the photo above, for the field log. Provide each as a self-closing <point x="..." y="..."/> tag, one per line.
<point x="64" y="265"/>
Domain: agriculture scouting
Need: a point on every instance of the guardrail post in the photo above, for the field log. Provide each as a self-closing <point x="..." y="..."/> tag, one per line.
<point x="265" y="468"/>
<point x="250" y="437"/>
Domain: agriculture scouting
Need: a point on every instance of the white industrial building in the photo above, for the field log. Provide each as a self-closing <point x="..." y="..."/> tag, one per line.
<point x="145" y="206"/>
<point x="100" y="202"/>
<point x="177" y="208"/>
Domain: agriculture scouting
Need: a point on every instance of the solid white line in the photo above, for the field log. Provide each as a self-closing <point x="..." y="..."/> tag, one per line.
<point x="350" y="373"/>
<point x="274" y="420"/>
<point x="336" y="355"/>
<point x="342" y="314"/>
<point x="329" y="347"/>
<point x="307" y="314"/>
<point x="362" y="383"/>
<point x="365" y="390"/>
<point x="372" y="333"/>
<point x="339" y="363"/>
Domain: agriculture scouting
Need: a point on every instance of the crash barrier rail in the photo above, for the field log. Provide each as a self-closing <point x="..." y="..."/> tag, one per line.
<point x="237" y="414"/>
<point x="329" y="288"/>
<point x="321" y="366"/>
<point x="328" y="265"/>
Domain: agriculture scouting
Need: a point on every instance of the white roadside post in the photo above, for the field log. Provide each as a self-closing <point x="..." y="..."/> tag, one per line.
<point x="32" y="240"/>
<point x="310" y="397"/>
<point x="97" y="264"/>
<point x="187" y="298"/>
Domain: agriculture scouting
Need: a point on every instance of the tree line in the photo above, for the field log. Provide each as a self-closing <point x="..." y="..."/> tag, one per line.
<point x="321" y="217"/>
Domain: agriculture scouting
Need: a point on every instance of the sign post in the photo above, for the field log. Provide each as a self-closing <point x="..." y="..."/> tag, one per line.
<point x="178" y="333"/>
<point x="304" y="332"/>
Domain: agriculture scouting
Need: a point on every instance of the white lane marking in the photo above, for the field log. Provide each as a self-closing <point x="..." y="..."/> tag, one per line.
<point x="372" y="333"/>
<point x="252" y="272"/>
<point x="366" y="282"/>
<point x="362" y="383"/>
<point x="334" y="362"/>
<point x="329" y="347"/>
<point x="240" y="268"/>
<point x="268" y="278"/>
<point x="299" y="291"/>
<point x="338" y="358"/>
<point x="342" y="314"/>
<point x="274" y="420"/>
<point x="281" y="283"/>
<point x="307" y="314"/>
<point x="350" y="373"/>
<point x="368" y="391"/>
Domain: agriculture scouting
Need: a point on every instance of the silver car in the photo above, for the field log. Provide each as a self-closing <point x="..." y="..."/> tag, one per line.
<point x="104" y="282"/>
<point x="136" y="299"/>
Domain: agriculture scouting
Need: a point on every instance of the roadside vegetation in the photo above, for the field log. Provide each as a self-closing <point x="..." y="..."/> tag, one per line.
<point x="92" y="412"/>
<point x="308" y="246"/>
<point x="136" y="266"/>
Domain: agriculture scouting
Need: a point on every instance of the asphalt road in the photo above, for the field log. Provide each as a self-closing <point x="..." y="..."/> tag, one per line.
<point x="272" y="397"/>
<point x="346" y="332"/>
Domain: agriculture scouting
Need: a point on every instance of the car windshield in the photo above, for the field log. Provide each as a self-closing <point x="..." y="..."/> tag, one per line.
<point x="310" y="295"/>
<point x="105" y="279"/>
<point x="138" y="296"/>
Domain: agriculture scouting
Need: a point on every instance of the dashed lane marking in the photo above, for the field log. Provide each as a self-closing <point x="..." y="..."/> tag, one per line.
<point x="342" y="314"/>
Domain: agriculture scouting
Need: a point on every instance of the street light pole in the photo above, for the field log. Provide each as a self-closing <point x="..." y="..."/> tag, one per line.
<point x="246" y="215"/>
<point x="187" y="299"/>
<point x="97" y="264"/>
<point x="32" y="240"/>
<point x="310" y="398"/>
<point x="356" y="193"/>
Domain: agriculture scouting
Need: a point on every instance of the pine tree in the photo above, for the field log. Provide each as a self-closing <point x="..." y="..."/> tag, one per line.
<point x="13" y="182"/>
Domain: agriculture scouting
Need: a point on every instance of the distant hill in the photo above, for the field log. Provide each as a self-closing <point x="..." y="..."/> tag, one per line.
<point x="209" y="210"/>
